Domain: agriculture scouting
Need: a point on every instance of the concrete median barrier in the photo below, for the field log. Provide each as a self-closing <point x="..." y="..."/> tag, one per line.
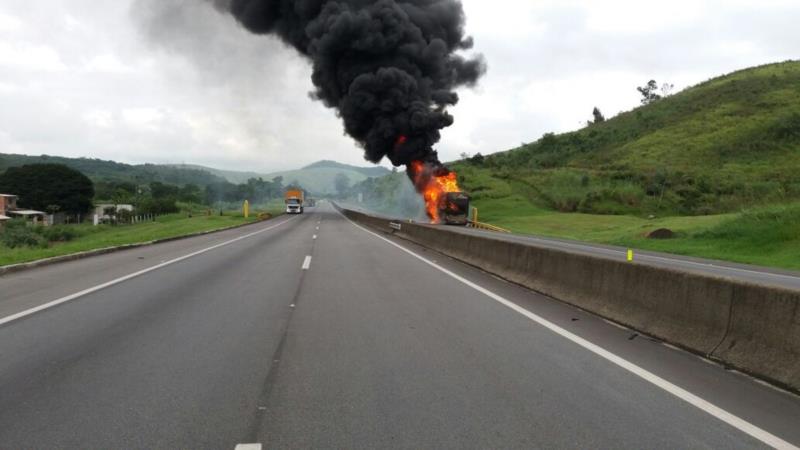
<point x="753" y="328"/>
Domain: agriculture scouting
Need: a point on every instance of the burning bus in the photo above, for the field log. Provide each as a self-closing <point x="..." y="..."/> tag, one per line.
<point x="454" y="208"/>
<point x="445" y="202"/>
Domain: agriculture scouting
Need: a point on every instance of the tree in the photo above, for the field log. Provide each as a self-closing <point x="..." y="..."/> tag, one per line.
<point x="161" y="190"/>
<point x="191" y="193"/>
<point x="341" y="183"/>
<point x="477" y="160"/>
<point x="598" y="116"/>
<point x="42" y="186"/>
<point x="666" y="89"/>
<point x="464" y="156"/>
<point x="649" y="92"/>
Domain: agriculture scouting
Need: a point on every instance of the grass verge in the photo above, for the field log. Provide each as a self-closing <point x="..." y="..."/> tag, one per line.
<point x="91" y="238"/>
<point x="768" y="236"/>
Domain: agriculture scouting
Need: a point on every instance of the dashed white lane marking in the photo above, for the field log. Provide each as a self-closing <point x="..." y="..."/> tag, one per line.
<point x="307" y="263"/>
<point x="315" y="237"/>
<point x="90" y="290"/>
<point x="694" y="400"/>
<point x="248" y="447"/>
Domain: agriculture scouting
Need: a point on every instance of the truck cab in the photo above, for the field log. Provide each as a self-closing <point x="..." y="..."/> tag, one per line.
<point x="294" y="200"/>
<point x="294" y="207"/>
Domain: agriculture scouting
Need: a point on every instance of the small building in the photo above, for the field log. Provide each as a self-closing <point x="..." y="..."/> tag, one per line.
<point x="9" y="209"/>
<point x="107" y="212"/>
<point x="36" y="217"/>
<point x="101" y="210"/>
<point x="7" y="203"/>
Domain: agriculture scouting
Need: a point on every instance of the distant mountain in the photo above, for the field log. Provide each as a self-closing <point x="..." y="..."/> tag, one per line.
<point x="232" y="176"/>
<point x="318" y="178"/>
<point x="374" y="172"/>
<point x="98" y="169"/>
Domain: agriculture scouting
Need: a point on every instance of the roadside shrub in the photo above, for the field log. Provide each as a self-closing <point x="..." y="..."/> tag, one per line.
<point x="17" y="233"/>
<point x="158" y="206"/>
<point x="59" y="233"/>
<point x="787" y="128"/>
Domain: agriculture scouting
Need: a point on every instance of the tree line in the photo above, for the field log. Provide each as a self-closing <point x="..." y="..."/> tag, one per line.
<point x="57" y="188"/>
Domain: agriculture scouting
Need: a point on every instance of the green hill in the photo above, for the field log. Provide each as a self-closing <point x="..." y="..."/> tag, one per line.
<point x="98" y="170"/>
<point x="718" y="164"/>
<point x="729" y="143"/>
<point x="318" y="178"/>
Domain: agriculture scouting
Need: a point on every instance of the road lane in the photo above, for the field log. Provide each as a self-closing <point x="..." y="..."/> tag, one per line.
<point x="365" y="348"/>
<point x="29" y="288"/>
<point x="175" y="358"/>
<point x="383" y="351"/>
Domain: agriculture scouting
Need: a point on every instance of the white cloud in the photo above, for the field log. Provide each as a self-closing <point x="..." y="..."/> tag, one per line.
<point x="30" y="57"/>
<point x="99" y="118"/>
<point x="106" y="63"/>
<point x="202" y="90"/>
<point x="9" y="23"/>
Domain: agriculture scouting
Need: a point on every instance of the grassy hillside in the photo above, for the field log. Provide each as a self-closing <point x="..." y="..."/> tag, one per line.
<point x="728" y="143"/>
<point x="98" y="169"/>
<point x="318" y="178"/>
<point x="718" y="164"/>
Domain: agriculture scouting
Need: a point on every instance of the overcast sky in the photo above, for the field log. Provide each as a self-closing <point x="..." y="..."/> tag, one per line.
<point x="172" y="81"/>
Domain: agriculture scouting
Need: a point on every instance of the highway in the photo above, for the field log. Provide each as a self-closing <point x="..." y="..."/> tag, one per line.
<point x="310" y="331"/>
<point x="767" y="276"/>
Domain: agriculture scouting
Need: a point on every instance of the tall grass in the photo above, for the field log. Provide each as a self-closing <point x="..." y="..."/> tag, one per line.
<point x="767" y="227"/>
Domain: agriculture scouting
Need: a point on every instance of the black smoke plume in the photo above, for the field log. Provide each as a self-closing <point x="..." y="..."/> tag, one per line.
<point x="389" y="67"/>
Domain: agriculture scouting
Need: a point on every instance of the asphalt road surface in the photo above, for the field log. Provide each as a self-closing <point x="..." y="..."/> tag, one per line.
<point x="309" y="331"/>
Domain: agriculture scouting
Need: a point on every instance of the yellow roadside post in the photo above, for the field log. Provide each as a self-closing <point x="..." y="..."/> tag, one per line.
<point x="630" y="255"/>
<point x="246" y="209"/>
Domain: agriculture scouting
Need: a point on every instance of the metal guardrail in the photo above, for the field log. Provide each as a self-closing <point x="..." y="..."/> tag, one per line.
<point x="473" y="223"/>
<point x="486" y="226"/>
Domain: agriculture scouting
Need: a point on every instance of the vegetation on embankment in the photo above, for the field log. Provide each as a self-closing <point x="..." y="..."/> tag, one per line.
<point x="768" y="236"/>
<point x="65" y="240"/>
<point x="730" y="143"/>
<point x="718" y="164"/>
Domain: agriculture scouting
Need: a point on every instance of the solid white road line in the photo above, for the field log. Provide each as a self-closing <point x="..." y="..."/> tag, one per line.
<point x="307" y="263"/>
<point x="677" y="391"/>
<point x="248" y="446"/>
<point x="90" y="290"/>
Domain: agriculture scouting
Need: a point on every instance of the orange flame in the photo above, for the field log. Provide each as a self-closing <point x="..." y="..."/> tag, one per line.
<point x="433" y="187"/>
